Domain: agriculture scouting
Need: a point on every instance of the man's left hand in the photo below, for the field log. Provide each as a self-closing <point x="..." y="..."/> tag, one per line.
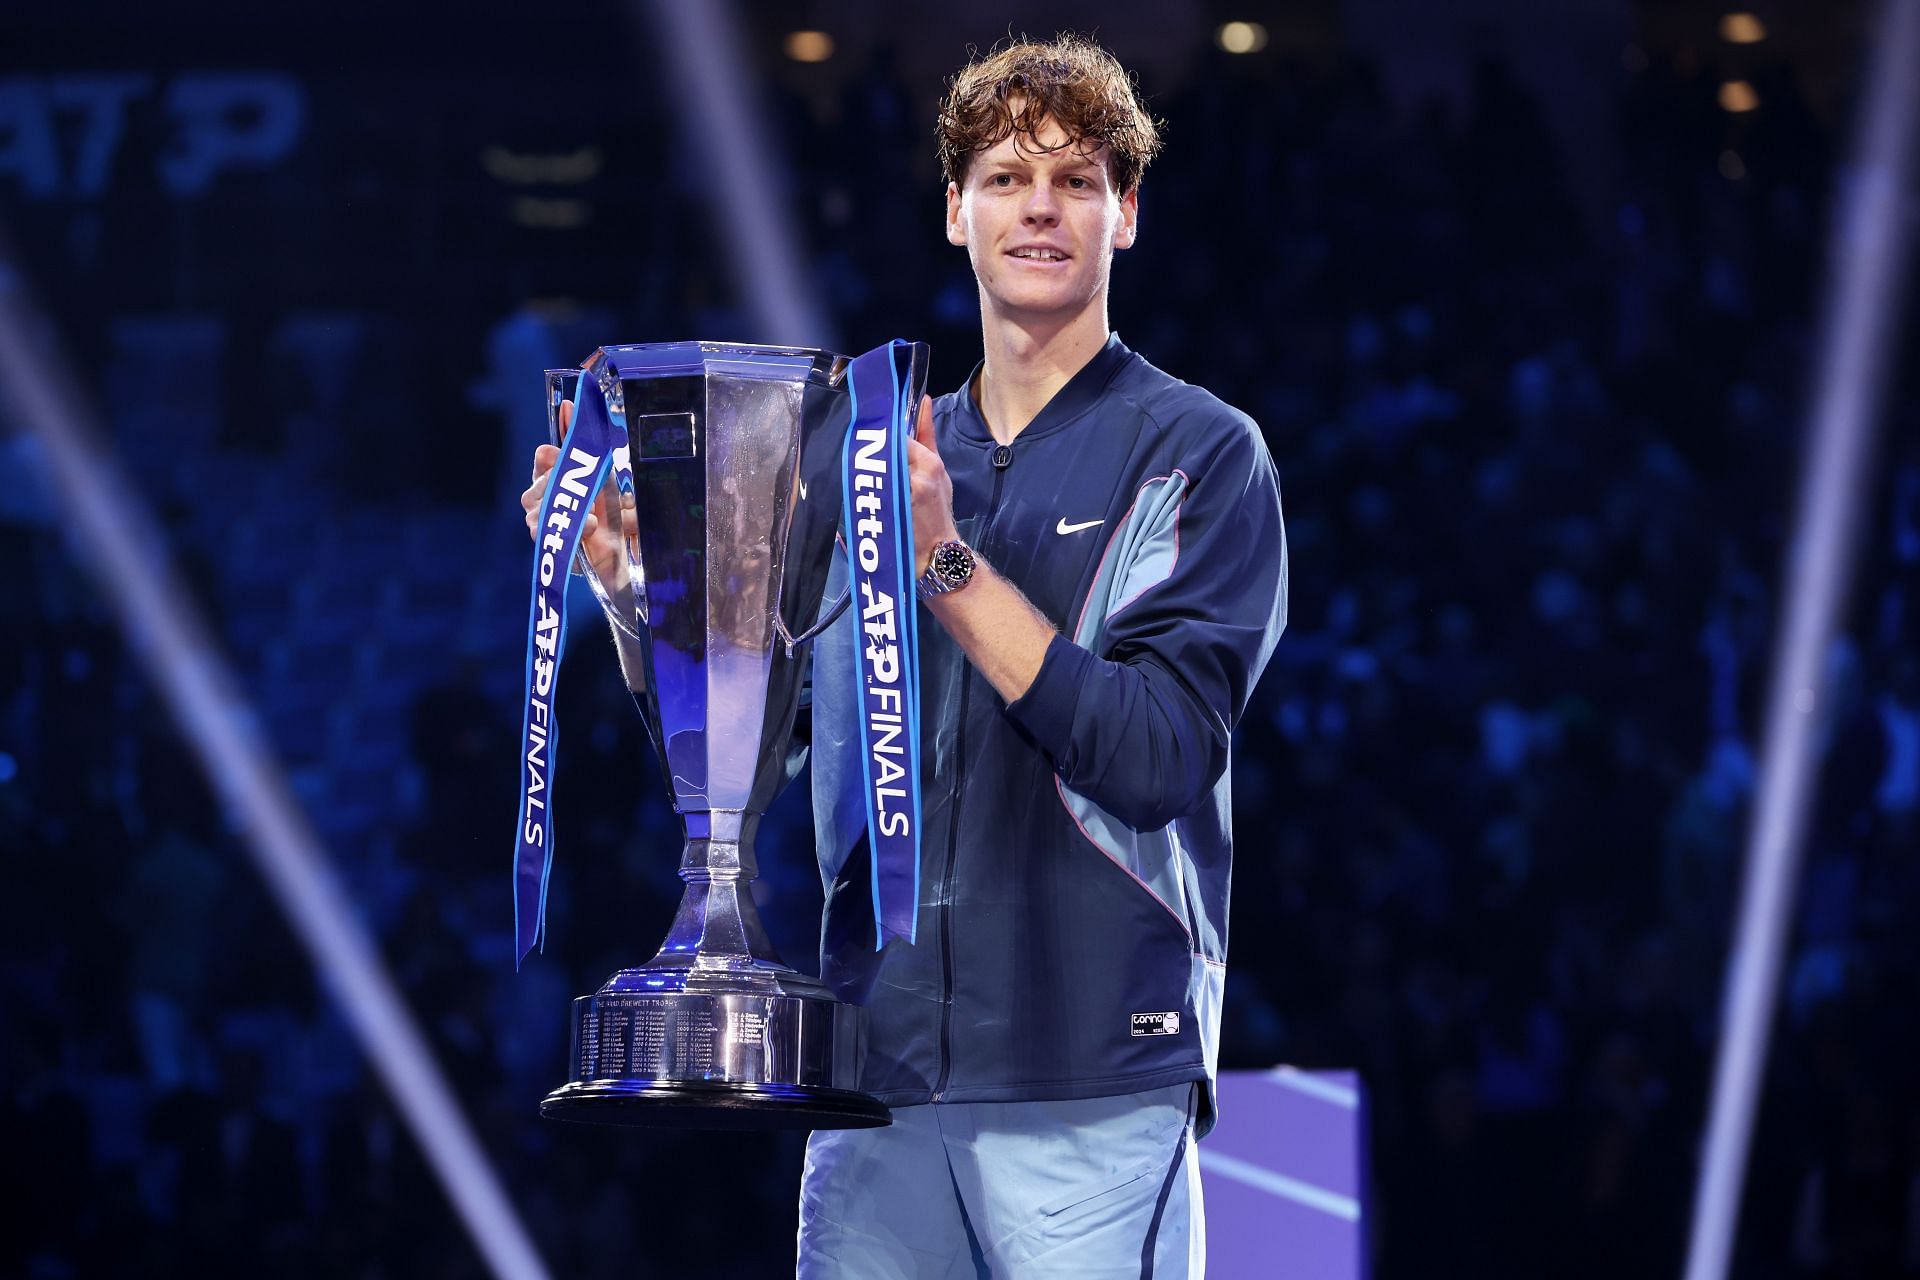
<point x="932" y="491"/>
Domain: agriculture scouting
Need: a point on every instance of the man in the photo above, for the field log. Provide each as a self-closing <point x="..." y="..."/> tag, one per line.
<point x="1101" y="549"/>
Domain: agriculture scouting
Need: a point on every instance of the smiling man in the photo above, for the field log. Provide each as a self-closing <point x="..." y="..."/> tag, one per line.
<point x="1104" y="568"/>
<point x="1101" y="548"/>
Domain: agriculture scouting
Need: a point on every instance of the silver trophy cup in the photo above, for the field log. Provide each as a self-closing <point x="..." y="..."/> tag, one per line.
<point x="733" y="460"/>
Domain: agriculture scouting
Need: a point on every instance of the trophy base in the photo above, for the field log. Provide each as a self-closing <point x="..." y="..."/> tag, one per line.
<point x="687" y="1104"/>
<point x="753" y="1046"/>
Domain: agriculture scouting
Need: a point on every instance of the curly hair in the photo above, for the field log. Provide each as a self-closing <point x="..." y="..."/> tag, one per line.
<point x="1069" y="80"/>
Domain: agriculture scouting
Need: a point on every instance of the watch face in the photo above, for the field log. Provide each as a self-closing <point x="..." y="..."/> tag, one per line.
<point x="952" y="563"/>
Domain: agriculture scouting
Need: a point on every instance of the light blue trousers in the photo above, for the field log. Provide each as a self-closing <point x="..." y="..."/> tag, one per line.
<point x="1093" y="1187"/>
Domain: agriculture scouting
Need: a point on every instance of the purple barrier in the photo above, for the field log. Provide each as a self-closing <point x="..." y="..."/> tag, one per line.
<point x="1284" y="1175"/>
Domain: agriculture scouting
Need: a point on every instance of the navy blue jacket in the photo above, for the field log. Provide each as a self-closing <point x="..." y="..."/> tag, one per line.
<point x="1077" y="844"/>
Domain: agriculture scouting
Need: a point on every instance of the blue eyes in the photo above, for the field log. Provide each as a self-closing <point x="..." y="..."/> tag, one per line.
<point x="1005" y="180"/>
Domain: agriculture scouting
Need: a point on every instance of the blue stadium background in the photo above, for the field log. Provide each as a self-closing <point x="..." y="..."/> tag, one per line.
<point x="1525" y="312"/>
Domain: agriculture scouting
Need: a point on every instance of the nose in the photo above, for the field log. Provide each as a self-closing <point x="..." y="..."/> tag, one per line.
<point x="1042" y="206"/>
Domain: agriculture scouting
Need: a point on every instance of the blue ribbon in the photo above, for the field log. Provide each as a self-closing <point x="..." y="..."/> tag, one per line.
<point x="585" y="457"/>
<point x="879" y="533"/>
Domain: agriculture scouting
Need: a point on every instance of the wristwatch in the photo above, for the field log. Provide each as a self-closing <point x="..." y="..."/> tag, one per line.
<point x="950" y="568"/>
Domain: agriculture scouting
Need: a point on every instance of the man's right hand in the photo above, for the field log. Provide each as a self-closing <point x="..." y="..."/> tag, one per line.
<point x="601" y="540"/>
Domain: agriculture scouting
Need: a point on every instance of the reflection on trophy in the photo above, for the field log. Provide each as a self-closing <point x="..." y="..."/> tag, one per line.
<point x="734" y="456"/>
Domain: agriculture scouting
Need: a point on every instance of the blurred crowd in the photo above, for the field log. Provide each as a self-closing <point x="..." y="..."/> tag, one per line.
<point x="1538" y="461"/>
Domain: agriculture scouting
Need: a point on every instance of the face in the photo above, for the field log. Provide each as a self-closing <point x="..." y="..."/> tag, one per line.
<point x="1040" y="221"/>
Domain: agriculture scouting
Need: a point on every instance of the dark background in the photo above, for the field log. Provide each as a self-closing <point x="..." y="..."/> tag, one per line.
<point x="1526" y="315"/>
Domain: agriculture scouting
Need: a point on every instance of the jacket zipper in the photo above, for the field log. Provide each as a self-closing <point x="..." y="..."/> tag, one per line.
<point x="1002" y="459"/>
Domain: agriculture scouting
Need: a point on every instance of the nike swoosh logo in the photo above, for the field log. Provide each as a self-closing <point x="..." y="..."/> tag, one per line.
<point x="1063" y="528"/>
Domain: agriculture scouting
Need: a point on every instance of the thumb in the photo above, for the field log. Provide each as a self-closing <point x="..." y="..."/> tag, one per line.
<point x="923" y="429"/>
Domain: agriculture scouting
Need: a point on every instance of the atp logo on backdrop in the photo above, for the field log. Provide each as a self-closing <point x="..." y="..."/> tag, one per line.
<point x="61" y="135"/>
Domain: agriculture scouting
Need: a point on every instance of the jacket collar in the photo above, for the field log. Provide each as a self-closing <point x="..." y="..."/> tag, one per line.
<point x="1081" y="392"/>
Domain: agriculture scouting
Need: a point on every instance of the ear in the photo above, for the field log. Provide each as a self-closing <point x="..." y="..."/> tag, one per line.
<point x="1129" y="220"/>
<point x="956" y="229"/>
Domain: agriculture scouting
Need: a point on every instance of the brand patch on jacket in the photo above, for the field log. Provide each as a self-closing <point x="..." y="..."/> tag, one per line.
<point x="1156" y="1024"/>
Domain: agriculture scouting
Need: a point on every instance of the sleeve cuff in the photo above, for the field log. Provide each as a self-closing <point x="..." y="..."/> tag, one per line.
<point x="1047" y="709"/>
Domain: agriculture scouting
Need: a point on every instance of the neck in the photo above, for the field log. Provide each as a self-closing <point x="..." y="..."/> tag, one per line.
<point x="1029" y="358"/>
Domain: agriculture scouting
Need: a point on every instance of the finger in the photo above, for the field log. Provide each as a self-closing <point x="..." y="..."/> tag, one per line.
<point x="543" y="459"/>
<point x="922" y="458"/>
<point x="603" y="498"/>
<point x="923" y="429"/>
<point x="566" y="416"/>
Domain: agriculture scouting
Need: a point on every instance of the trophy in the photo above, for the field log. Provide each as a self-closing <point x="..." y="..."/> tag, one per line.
<point x="734" y="462"/>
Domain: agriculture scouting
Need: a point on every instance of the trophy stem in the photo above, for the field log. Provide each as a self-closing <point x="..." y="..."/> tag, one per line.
<point x="717" y="927"/>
